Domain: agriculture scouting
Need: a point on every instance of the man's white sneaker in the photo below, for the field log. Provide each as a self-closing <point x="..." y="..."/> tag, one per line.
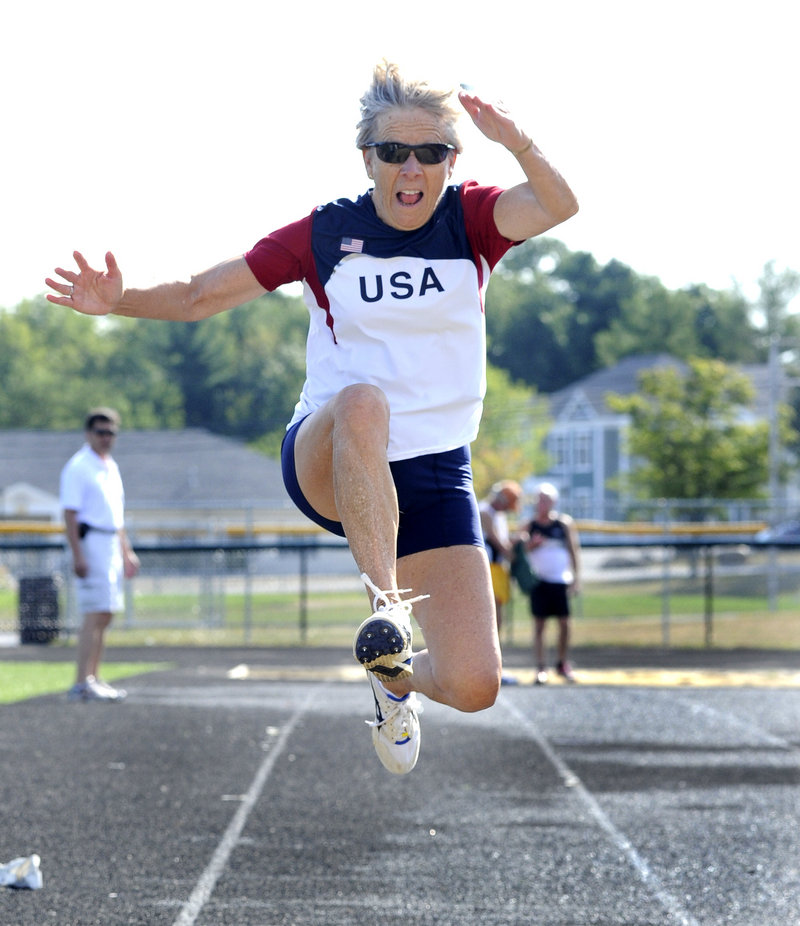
<point x="94" y="690"/>
<point x="383" y="641"/>
<point x="116" y="694"/>
<point x="395" y="730"/>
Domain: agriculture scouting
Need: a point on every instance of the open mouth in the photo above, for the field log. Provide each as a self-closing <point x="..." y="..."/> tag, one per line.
<point x="409" y="197"/>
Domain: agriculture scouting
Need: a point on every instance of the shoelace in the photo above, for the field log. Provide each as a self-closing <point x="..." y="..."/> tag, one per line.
<point x="398" y="707"/>
<point x="384" y="597"/>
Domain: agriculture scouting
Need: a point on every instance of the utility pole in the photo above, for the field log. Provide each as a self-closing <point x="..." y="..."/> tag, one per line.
<point x="777" y="290"/>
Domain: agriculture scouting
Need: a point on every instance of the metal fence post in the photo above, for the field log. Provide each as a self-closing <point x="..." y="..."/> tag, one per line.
<point x="304" y="593"/>
<point x="708" y="610"/>
<point x="665" y="581"/>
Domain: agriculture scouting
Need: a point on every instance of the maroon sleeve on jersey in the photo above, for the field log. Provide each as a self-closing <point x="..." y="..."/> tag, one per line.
<point x="478" y="204"/>
<point x="284" y="256"/>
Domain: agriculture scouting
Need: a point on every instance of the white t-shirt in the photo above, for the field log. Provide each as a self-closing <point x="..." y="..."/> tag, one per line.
<point x="551" y="561"/>
<point x="92" y="486"/>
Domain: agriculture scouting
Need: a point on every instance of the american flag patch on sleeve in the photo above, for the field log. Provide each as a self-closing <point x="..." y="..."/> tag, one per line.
<point x="352" y="245"/>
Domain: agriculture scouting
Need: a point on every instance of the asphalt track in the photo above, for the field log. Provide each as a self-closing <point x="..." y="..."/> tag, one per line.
<point x="240" y="787"/>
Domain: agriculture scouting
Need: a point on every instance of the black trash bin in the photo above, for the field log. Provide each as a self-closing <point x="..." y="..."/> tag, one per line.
<point x="38" y="609"/>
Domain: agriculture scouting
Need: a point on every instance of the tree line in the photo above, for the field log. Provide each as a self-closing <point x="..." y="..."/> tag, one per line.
<point x="552" y="315"/>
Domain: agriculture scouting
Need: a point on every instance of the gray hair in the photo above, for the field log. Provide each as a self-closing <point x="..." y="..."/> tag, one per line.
<point x="390" y="89"/>
<point x="548" y="489"/>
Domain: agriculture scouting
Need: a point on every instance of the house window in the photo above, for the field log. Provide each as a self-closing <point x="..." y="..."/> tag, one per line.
<point x="584" y="447"/>
<point x="559" y="448"/>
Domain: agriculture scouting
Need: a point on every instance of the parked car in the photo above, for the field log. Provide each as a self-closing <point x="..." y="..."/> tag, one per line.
<point x="788" y="531"/>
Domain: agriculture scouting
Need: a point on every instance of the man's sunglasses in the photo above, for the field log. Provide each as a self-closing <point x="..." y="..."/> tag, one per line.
<point x="395" y="152"/>
<point x="104" y="432"/>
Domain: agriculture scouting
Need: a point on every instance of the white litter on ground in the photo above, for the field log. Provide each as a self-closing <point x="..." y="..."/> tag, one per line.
<point x="22" y="872"/>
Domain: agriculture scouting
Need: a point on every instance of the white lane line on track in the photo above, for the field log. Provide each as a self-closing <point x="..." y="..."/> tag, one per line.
<point x="736" y="722"/>
<point x="670" y="903"/>
<point x="208" y="879"/>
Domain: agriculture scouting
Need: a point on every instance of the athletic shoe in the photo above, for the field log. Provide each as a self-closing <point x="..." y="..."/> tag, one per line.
<point x="92" y="690"/>
<point x="395" y="730"/>
<point x="541" y="676"/>
<point x="77" y="692"/>
<point x="564" y="669"/>
<point x="383" y="641"/>
<point x="117" y="694"/>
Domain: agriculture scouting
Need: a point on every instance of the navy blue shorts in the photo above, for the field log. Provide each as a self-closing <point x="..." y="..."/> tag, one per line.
<point x="434" y="494"/>
<point x="549" y="599"/>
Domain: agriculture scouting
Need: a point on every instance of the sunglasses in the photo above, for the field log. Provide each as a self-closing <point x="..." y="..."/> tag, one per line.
<point x="395" y="152"/>
<point x="104" y="432"/>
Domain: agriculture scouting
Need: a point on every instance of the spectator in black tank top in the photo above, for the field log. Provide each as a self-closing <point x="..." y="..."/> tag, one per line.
<point x="554" y="553"/>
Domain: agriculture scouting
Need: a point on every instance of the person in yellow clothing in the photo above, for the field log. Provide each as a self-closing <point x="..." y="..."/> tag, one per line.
<point x="504" y="498"/>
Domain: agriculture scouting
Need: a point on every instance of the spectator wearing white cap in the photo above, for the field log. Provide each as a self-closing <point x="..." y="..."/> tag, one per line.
<point x="554" y="553"/>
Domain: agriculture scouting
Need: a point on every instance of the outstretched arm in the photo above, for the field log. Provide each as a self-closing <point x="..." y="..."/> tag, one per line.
<point x="101" y="292"/>
<point x="545" y="199"/>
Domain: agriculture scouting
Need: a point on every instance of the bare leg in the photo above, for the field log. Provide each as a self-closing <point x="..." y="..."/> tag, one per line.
<point x="538" y="642"/>
<point x="342" y="469"/>
<point x="563" y="638"/>
<point x="461" y="664"/>
<point x="340" y="457"/>
<point x="91" y="641"/>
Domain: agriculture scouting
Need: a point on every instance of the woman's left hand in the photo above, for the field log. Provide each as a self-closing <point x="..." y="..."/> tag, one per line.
<point x="494" y="121"/>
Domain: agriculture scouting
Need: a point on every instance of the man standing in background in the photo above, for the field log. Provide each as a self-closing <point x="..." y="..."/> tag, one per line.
<point x="93" y="501"/>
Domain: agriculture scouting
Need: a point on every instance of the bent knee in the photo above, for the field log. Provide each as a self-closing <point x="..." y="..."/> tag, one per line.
<point x="477" y="692"/>
<point x="361" y="402"/>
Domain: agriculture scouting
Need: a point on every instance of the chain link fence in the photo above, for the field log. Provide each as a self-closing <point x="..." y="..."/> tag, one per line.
<point x="278" y="590"/>
<point x="188" y="586"/>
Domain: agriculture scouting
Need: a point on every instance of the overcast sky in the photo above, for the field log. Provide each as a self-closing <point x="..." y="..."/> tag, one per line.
<point x="178" y="133"/>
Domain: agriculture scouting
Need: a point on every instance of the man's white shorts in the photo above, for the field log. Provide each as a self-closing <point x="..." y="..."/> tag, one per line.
<point x="101" y="590"/>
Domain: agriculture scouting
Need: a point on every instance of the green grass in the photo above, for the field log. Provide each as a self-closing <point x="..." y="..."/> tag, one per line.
<point x="611" y="615"/>
<point x="632" y="614"/>
<point x="607" y="614"/>
<point x="267" y="608"/>
<point x="22" y="680"/>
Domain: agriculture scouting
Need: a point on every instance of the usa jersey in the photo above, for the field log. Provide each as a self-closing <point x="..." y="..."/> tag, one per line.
<point x="401" y="310"/>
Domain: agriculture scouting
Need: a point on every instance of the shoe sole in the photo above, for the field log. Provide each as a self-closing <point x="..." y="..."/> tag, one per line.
<point x="379" y="647"/>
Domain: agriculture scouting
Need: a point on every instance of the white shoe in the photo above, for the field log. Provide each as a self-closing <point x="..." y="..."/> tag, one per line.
<point x="99" y="691"/>
<point x="22" y="872"/>
<point x="383" y="641"/>
<point x="395" y="730"/>
<point x="117" y="694"/>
